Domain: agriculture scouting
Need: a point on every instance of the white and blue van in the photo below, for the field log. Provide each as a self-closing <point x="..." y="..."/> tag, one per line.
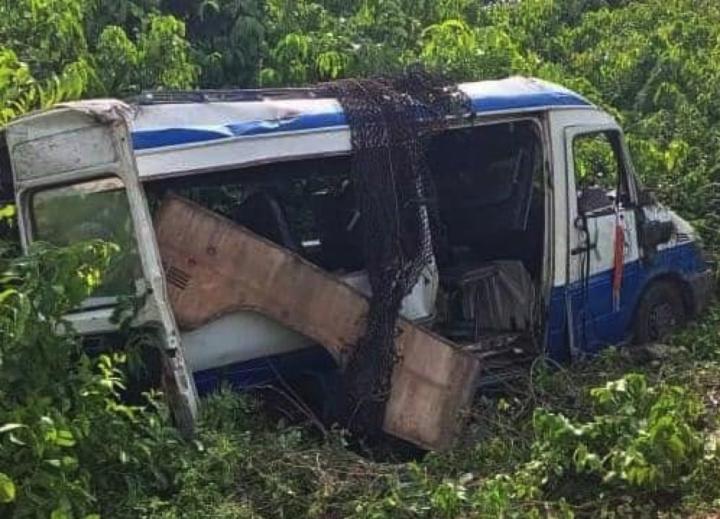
<point x="549" y="239"/>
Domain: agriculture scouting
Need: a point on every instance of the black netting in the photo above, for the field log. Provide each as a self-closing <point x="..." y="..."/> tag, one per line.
<point x="390" y="120"/>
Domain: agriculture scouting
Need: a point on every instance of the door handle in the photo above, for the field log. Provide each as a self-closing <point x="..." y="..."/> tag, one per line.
<point x="583" y="249"/>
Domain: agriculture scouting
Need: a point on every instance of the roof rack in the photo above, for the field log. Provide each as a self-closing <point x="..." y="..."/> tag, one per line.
<point x="154" y="97"/>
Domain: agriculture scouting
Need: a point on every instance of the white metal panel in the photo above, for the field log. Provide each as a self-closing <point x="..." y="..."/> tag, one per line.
<point x="563" y="181"/>
<point x="55" y="154"/>
<point x="238" y="337"/>
<point x="241" y="152"/>
<point x="93" y="322"/>
<point x="558" y="174"/>
<point x="419" y="304"/>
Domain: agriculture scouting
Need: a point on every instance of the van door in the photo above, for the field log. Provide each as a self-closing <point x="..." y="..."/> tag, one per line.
<point x="604" y="271"/>
<point x="75" y="179"/>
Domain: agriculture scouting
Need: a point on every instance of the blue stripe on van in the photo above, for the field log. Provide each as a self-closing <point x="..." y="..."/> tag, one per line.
<point x="163" y="137"/>
<point x="159" y="138"/>
<point x="265" y="370"/>
<point x="527" y="101"/>
<point x="595" y="324"/>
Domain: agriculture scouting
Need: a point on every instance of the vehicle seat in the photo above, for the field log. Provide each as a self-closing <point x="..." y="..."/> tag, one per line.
<point x="494" y="296"/>
<point x="263" y="214"/>
<point x="339" y="229"/>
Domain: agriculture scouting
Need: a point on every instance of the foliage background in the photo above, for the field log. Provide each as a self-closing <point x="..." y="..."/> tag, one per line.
<point x="653" y="63"/>
<point x="637" y="444"/>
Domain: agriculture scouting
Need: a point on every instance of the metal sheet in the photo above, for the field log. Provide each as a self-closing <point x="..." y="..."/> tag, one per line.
<point x="215" y="267"/>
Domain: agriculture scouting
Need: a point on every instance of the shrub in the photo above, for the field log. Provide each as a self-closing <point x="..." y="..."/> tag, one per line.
<point x="65" y="434"/>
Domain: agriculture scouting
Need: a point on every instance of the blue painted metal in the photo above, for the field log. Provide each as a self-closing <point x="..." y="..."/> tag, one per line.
<point x="265" y="370"/>
<point x="163" y="137"/>
<point x="595" y="324"/>
<point x="526" y="101"/>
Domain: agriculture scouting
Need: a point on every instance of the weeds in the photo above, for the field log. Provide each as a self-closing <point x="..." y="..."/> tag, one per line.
<point x="632" y="432"/>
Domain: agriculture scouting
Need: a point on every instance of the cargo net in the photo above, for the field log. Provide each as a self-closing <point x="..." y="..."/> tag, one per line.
<point x="390" y="120"/>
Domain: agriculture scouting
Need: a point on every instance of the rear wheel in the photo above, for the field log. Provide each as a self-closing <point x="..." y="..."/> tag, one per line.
<point x="661" y="311"/>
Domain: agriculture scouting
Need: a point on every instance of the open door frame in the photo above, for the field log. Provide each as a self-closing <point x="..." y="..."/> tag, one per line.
<point x="79" y="141"/>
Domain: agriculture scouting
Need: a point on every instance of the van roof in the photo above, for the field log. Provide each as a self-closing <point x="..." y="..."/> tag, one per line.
<point x="167" y="119"/>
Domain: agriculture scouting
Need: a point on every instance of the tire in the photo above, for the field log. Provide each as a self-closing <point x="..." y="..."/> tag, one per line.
<point x="661" y="311"/>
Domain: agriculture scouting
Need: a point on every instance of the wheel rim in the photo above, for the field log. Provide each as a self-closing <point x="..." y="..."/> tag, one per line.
<point x="662" y="320"/>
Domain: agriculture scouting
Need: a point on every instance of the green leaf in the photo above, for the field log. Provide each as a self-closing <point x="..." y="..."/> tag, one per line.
<point x="7" y="489"/>
<point x="60" y="514"/>
<point x="11" y="426"/>
<point x="7" y="212"/>
<point x="65" y="438"/>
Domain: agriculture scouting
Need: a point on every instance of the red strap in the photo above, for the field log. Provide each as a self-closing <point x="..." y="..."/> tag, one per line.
<point x="618" y="261"/>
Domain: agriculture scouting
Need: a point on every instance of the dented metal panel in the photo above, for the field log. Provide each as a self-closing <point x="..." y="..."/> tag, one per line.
<point x="216" y="267"/>
<point x="71" y="137"/>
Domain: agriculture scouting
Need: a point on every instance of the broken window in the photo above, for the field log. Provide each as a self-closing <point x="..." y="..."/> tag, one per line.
<point x="489" y="181"/>
<point x="307" y="206"/>
<point x="490" y="187"/>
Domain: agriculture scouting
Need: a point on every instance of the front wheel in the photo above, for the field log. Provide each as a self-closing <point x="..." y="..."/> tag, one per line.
<point x="661" y="312"/>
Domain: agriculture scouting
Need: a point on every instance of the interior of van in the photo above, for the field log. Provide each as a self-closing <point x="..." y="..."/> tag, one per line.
<point x="485" y="279"/>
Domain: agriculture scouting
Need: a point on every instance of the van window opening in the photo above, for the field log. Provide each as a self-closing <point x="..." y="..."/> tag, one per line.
<point x="600" y="174"/>
<point x="491" y="205"/>
<point x="490" y="188"/>
<point x="91" y="210"/>
<point x="296" y="204"/>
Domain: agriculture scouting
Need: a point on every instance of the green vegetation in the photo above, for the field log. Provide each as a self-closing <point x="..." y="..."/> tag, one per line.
<point x="623" y="435"/>
<point x="618" y="435"/>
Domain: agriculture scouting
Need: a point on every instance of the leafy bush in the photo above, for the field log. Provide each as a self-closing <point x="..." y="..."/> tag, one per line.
<point x="643" y="437"/>
<point x="65" y="434"/>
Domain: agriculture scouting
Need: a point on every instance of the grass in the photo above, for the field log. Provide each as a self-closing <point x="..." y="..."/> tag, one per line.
<point x="247" y="463"/>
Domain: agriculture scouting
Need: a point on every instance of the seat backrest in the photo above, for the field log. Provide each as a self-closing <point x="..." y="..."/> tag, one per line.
<point x="339" y="230"/>
<point x="263" y="214"/>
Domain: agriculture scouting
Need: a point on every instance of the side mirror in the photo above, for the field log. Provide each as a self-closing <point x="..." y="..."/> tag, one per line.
<point x="655" y="233"/>
<point x="593" y="199"/>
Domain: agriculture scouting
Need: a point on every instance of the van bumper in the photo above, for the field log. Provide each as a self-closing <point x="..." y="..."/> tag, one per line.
<point x="702" y="286"/>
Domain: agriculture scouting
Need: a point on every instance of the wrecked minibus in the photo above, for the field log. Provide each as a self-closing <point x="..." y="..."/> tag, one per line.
<point x="241" y="240"/>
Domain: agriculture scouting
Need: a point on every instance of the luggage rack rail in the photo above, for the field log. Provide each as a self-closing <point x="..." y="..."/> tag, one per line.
<point x="154" y="97"/>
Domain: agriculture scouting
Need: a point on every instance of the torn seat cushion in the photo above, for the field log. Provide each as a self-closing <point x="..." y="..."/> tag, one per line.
<point x="496" y="296"/>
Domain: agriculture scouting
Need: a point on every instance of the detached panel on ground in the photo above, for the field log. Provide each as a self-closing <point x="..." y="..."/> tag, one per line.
<point x="216" y="267"/>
